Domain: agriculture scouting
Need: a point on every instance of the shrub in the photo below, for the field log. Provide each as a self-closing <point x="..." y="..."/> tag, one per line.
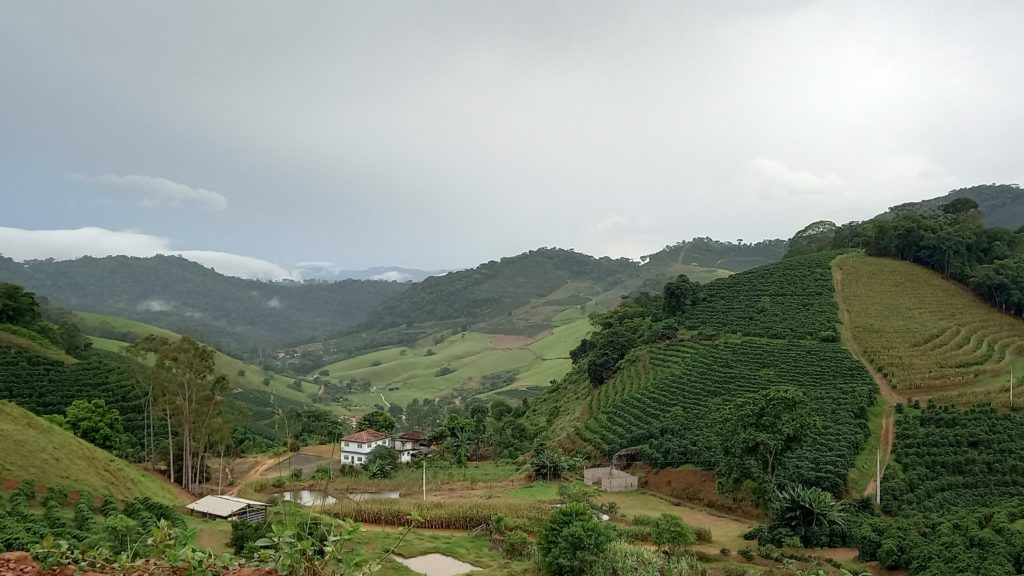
<point x="279" y="482"/>
<point x="671" y="533"/>
<point x="725" y="552"/>
<point x="547" y="463"/>
<point x="573" y="542"/>
<point x="746" y="553"/>
<point x="295" y="474"/>
<point x="569" y="492"/>
<point x="703" y="534"/>
<point x="517" y="546"/>
<point x="322" y="473"/>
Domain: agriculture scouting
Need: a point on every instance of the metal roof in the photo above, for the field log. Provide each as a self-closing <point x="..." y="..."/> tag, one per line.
<point x="223" y="506"/>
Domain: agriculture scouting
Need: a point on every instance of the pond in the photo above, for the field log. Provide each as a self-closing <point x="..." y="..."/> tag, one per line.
<point x="308" y="497"/>
<point x="437" y="565"/>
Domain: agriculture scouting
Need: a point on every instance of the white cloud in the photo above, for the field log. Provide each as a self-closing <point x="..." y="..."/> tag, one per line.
<point x="155" y="191"/>
<point x="155" y="305"/>
<point x="274" y="302"/>
<point x="21" y="244"/>
<point x="321" y="264"/>
<point x="786" y="181"/>
<point x="392" y="276"/>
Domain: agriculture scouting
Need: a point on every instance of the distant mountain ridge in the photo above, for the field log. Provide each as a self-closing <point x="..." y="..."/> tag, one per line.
<point x="238" y="316"/>
<point x="1001" y="205"/>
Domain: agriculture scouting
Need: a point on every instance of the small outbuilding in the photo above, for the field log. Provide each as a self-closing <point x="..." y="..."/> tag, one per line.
<point x="611" y="479"/>
<point x="230" y="508"/>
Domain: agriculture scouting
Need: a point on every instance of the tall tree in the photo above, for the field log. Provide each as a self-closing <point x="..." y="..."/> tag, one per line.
<point x="755" y="433"/>
<point x="192" y="397"/>
<point x="377" y="420"/>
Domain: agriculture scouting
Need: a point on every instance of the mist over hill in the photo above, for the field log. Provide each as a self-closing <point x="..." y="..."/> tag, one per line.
<point x="238" y="316"/>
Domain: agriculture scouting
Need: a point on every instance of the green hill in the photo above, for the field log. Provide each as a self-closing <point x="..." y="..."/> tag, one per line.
<point x="709" y="254"/>
<point x="434" y="367"/>
<point x="493" y="291"/>
<point x="1001" y="205"/>
<point x="768" y="327"/>
<point x="235" y="315"/>
<point x="38" y="450"/>
<point x="263" y="392"/>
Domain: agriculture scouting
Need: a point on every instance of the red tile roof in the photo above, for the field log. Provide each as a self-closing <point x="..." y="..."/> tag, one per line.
<point x="366" y="436"/>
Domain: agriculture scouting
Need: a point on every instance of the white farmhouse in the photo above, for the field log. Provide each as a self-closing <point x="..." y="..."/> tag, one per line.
<point x="356" y="448"/>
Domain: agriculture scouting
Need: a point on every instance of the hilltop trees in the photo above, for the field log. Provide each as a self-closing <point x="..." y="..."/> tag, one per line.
<point x="18" y="306"/>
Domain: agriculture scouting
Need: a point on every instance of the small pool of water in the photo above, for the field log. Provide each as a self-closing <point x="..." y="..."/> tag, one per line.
<point x="437" y="565"/>
<point x="308" y="497"/>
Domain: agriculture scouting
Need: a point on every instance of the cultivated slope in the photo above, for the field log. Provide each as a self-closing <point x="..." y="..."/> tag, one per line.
<point x="38" y="450"/>
<point x="771" y="326"/>
<point x="929" y="336"/>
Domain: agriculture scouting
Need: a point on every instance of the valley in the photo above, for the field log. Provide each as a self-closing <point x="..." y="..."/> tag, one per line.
<point x="752" y="398"/>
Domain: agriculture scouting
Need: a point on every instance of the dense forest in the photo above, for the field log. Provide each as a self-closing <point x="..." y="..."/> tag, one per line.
<point x="953" y="240"/>
<point x="237" y="316"/>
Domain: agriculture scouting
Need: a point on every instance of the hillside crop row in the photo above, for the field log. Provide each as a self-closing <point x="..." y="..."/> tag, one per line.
<point x="46" y="386"/>
<point x="671" y="415"/>
<point x="950" y="458"/>
<point x="790" y="300"/>
<point x="923" y="332"/>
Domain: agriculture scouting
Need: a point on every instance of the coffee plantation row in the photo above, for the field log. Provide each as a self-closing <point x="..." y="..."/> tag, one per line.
<point x="671" y="413"/>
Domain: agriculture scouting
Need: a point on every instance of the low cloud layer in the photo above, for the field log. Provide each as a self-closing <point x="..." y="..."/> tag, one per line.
<point x="21" y="245"/>
<point x="154" y="192"/>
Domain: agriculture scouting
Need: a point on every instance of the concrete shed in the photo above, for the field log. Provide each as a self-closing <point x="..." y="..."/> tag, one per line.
<point x="230" y="508"/>
<point x="610" y="479"/>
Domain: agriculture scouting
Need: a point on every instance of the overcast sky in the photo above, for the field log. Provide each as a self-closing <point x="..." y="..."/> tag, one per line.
<point x="444" y="134"/>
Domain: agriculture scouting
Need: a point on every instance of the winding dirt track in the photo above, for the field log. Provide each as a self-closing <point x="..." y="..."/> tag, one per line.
<point x="891" y="396"/>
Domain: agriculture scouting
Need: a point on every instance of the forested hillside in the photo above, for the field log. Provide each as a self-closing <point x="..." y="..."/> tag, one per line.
<point x="238" y="316"/>
<point x="1001" y="205"/>
<point x="497" y="288"/>
<point x="714" y="254"/>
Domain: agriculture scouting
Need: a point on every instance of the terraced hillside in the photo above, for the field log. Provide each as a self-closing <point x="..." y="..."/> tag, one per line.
<point x="38" y="450"/>
<point x="928" y="336"/>
<point x="773" y="326"/>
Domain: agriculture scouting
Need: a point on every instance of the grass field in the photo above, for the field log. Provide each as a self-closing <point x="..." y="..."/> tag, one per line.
<point x="36" y="449"/>
<point x="241" y="374"/>
<point x="402" y="374"/>
<point x="29" y="341"/>
<point x="929" y="336"/>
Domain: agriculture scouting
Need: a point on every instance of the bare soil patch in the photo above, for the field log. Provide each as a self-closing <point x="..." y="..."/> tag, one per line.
<point x="697" y="486"/>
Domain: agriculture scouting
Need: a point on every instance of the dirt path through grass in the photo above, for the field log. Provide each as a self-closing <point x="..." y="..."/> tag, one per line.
<point x="891" y="396"/>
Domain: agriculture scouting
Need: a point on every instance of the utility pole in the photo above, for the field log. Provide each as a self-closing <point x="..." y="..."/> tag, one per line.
<point x="424" y="479"/>
<point x="878" y="476"/>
